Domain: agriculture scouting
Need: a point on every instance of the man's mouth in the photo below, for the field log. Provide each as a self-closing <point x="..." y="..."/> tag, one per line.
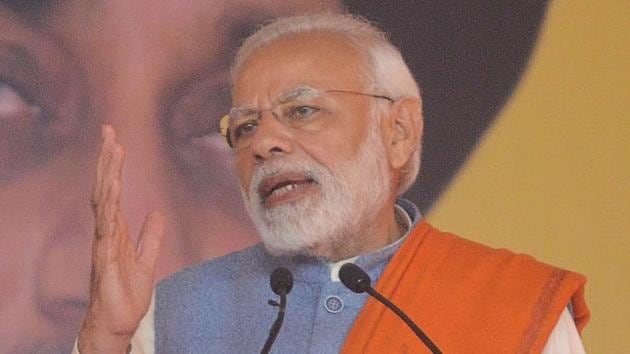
<point x="284" y="188"/>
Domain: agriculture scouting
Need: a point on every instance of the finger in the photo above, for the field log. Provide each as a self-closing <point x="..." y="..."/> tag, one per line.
<point x="108" y="203"/>
<point x="122" y="243"/>
<point x="112" y="176"/>
<point x="104" y="160"/>
<point x="108" y="138"/>
<point x="112" y="170"/>
<point x="151" y="238"/>
<point x="102" y="246"/>
<point x="117" y="235"/>
<point x="107" y="206"/>
<point x="108" y="212"/>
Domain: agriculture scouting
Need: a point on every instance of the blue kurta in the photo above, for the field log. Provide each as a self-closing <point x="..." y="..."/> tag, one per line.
<point x="221" y="306"/>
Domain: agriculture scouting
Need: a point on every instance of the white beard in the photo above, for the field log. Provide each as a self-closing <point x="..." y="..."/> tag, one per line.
<point x="328" y="222"/>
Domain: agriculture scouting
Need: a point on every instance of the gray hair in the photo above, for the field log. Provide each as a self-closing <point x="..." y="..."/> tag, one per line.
<point x="386" y="73"/>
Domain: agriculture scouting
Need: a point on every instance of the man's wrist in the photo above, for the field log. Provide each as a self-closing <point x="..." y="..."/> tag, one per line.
<point x="90" y="341"/>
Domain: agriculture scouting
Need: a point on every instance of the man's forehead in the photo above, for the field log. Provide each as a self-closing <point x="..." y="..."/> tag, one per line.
<point x="299" y="65"/>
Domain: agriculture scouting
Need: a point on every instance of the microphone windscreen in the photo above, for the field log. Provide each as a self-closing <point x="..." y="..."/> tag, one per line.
<point x="281" y="280"/>
<point x="354" y="278"/>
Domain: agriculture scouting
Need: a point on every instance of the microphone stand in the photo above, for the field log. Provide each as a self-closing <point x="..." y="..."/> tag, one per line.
<point x="275" y="327"/>
<point x="281" y="281"/>
<point x="423" y="337"/>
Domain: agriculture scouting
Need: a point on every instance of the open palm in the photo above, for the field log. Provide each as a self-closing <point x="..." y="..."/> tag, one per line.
<point x="122" y="277"/>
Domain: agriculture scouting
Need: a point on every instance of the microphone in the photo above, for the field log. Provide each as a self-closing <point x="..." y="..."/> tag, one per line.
<point x="357" y="280"/>
<point x="281" y="281"/>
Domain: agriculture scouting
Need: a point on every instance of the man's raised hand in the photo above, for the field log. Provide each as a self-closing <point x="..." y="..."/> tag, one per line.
<point x="122" y="275"/>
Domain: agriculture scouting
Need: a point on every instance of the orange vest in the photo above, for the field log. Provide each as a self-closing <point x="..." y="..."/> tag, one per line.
<point x="468" y="298"/>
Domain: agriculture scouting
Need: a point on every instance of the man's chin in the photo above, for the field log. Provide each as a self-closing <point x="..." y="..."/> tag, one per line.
<point x="291" y="213"/>
<point x="290" y="242"/>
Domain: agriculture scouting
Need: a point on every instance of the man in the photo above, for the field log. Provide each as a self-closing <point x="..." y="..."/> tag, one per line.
<point x="326" y="129"/>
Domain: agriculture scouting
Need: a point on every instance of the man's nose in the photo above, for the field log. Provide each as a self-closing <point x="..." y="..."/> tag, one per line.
<point x="272" y="138"/>
<point x="62" y="273"/>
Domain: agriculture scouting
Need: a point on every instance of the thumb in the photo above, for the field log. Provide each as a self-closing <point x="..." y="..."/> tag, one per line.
<point x="151" y="238"/>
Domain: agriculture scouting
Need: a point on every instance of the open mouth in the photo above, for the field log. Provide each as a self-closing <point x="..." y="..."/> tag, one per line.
<point x="284" y="187"/>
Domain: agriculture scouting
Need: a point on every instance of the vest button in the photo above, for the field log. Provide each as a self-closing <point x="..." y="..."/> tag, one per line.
<point x="333" y="304"/>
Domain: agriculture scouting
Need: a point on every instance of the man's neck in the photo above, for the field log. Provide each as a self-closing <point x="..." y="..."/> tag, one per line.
<point x="380" y="231"/>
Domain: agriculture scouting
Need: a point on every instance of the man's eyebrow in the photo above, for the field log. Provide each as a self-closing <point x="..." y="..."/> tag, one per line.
<point x="30" y="7"/>
<point x="304" y="91"/>
<point x="300" y="92"/>
<point x="242" y="110"/>
<point x="20" y="68"/>
<point x="15" y="58"/>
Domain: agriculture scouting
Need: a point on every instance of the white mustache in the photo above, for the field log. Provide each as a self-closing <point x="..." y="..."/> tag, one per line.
<point x="308" y="169"/>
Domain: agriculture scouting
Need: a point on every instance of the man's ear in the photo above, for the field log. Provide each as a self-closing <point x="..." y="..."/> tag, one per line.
<point x="404" y="125"/>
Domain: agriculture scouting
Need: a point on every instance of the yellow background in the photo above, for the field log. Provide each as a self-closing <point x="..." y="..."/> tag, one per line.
<point x="552" y="176"/>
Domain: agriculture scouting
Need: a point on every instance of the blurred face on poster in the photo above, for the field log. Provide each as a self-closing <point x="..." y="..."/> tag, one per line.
<point x="158" y="72"/>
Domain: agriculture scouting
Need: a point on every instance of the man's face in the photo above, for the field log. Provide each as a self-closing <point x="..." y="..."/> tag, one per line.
<point x="312" y="181"/>
<point x="156" y="71"/>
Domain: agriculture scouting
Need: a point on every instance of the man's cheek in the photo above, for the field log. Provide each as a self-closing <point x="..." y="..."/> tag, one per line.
<point x="245" y="172"/>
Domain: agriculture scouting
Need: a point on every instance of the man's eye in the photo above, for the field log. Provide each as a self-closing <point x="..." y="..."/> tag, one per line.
<point x="41" y="107"/>
<point x="300" y="112"/>
<point x="18" y="131"/>
<point x="12" y="103"/>
<point x="244" y="129"/>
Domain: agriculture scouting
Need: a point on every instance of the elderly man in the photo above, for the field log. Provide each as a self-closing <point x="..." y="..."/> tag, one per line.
<point x="326" y="130"/>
